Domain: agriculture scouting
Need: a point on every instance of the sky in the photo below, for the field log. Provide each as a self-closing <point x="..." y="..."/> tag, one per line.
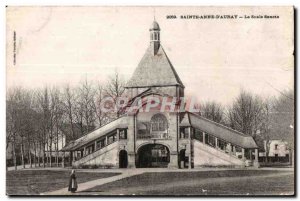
<point x="215" y="58"/>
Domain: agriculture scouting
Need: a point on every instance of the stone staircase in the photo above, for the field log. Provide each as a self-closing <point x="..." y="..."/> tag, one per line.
<point x="106" y="156"/>
<point x="205" y="155"/>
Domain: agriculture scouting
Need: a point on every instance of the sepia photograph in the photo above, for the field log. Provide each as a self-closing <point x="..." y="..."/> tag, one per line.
<point x="150" y="101"/>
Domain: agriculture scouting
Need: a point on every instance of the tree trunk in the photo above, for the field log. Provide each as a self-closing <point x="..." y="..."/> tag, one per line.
<point x="47" y="153"/>
<point x="14" y="154"/>
<point x="57" y="155"/>
<point x="29" y="157"/>
<point x="34" y="158"/>
<point x="44" y="165"/>
<point x="267" y="150"/>
<point x="57" y="146"/>
<point x="29" y="154"/>
<point x="22" y="153"/>
<point x="71" y="120"/>
<point x="50" y="150"/>
<point x="39" y="155"/>
<point x="62" y="145"/>
<point x="63" y="160"/>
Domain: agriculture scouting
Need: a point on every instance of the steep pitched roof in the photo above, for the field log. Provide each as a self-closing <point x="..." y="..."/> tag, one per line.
<point x="185" y="121"/>
<point x="223" y="132"/>
<point x="121" y="122"/>
<point x="154" y="70"/>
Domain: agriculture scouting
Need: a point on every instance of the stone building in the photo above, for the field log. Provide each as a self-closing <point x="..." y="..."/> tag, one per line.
<point x="277" y="151"/>
<point x="156" y="138"/>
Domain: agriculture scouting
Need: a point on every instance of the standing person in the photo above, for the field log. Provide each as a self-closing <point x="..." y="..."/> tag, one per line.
<point x="72" y="182"/>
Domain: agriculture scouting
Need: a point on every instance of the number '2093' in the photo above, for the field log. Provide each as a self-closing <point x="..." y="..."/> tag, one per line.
<point x="171" y="17"/>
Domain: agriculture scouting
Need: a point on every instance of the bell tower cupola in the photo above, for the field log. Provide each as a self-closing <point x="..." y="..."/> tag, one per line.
<point x="154" y="37"/>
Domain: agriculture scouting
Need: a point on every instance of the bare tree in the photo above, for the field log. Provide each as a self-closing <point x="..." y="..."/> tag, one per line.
<point x="54" y="113"/>
<point x="25" y="123"/>
<point x="69" y="108"/>
<point x="20" y="121"/>
<point x="246" y="113"/>
<point x="264" y="136"/>
<point x="57" y="114"/>
<point x="78" y="117"/>
<point x="98" y="98"/>
<point x="213" y="111"/>
<point x="30" y="128"/>
<point x="11" y="127"/>
<point x="85" y="98"/>
<point x="282" y="118"/>
<point x="38" y="134"/>
<point x="38" y="119"/>
<point x="44" y="107"/>
<point x="115" y="88"/>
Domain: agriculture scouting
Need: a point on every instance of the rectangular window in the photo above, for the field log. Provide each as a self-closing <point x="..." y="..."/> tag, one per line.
<point x="112" y="138"/>
<point x="184" y="132"/>
<point x="123" y="134"/>
<point x="100" y="144"/>
<point x="90" y="149"/>
<point x="222" y="144"/>
<point x="199" y="135"/>
<point x="210" y="140"/>
<point x="78" y="154"/>
<point x="276" y="146"/>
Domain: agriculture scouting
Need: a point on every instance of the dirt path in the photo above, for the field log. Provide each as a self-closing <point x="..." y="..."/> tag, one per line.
<point x="90" y="184"/>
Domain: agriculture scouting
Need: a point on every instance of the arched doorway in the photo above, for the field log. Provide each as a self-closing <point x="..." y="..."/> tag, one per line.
<point x="123" y="159"/>
<point x="153" y="156"/>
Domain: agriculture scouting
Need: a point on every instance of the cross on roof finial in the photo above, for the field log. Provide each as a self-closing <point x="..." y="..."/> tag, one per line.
<point x="154" y="13"/>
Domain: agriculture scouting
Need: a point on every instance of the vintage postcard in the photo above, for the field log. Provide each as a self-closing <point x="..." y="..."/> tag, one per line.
<point x="150" y="101"/>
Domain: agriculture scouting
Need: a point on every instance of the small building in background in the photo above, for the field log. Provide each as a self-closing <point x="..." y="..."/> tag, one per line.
<point x="276" y="151"/>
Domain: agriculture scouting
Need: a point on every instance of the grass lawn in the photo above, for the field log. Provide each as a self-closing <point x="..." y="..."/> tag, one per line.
<point x="227" y="182"/>
<point x="34" y="182"/>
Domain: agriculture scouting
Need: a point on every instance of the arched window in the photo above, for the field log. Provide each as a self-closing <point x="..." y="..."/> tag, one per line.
<point x="155" y="36"/>
<point x="159" y="123"/>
